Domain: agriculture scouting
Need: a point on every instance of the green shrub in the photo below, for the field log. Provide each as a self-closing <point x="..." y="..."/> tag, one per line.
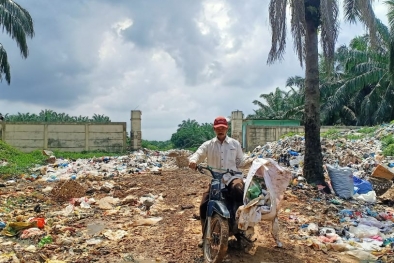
<point x="387" y="140"/>
<point x="389" y="150"/>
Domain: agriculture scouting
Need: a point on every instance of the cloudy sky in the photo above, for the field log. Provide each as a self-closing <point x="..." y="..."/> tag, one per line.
<point x="173" y="60"/>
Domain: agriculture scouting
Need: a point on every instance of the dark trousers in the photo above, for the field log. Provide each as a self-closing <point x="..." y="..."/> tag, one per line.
<point x="235" y="191"/>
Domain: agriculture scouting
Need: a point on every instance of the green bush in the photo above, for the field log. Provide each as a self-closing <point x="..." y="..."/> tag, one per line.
<point x="389" y="150"/>
<point x="388" y="145"/>
<point x="157" y="145"/>
<point x="387" y="140"/>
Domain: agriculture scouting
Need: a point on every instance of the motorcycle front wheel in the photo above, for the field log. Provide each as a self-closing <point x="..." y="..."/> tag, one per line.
<point x="216" y="243"/>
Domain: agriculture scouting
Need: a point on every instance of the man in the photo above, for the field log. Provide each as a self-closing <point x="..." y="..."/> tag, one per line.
<point x="222" y="152"/>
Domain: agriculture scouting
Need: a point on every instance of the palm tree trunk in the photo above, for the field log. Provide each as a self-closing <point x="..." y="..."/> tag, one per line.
<point x="313" y="163"/>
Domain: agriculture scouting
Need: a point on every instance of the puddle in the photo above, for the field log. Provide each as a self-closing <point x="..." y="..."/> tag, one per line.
<point x="95" y="227"/>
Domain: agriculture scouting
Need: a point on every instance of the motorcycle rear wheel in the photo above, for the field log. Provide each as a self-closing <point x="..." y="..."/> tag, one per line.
<point x="215" y="245"/>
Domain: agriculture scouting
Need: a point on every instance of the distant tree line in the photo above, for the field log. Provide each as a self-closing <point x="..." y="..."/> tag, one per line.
<point x="52" y="116"/>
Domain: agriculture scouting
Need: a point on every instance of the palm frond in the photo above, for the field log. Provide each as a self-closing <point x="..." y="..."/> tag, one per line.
<point x="4" y="65"/>
<point x="298" y="26"/>
<point x="329" y="29"/>
<point x="17" y="22"/>
<point x="277" y="17"/>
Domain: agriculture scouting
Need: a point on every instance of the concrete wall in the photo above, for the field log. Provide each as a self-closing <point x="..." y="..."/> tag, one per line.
<point x="71" y="137"/>
<point x="236" y="125"/>
<point x="135" y="133"/>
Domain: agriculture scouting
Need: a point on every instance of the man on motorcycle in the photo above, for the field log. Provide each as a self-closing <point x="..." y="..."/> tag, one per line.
<point x="222" y="152"/>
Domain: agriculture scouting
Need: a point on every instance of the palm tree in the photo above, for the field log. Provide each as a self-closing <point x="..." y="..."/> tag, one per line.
<point x="365" y="91"/>
<point x="308" y="18"/>
<point x="100" y="118"/>
<point x="47" y="116"/>
<point x="274" y="107"/>
<point x="17" y="22"/>
<point x="295" y="98"/>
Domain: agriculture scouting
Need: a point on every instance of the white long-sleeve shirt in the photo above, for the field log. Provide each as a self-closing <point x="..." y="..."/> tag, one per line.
<point x="226" y="155"/>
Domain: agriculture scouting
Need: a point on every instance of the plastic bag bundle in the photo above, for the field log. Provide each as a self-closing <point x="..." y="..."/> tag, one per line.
<point x="265" y="186"/>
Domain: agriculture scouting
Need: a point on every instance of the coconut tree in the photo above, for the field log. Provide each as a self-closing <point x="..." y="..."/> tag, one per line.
<point x="308" y="17"/>
<point x="16" y="22"/>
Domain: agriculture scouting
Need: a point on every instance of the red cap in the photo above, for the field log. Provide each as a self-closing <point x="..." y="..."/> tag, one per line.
<point x="220" y="122"/>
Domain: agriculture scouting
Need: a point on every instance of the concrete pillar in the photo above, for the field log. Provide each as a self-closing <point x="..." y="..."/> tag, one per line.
<point x="236" y="125"/>
<point x="135" y="133"/>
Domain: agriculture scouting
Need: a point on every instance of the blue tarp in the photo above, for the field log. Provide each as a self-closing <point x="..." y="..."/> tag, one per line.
<point x="361" y="186"/>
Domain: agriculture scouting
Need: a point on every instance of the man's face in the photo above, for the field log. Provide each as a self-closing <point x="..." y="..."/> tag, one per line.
<point x="221" y="132"/>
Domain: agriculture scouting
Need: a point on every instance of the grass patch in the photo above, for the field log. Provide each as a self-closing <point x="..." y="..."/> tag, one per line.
<point x="330" y="134"/>
<point x="354" y="137"/>
<point x="388" y="145"/>
<point x="389" y="150"/>
<point x="368" y="130"/>
<point x="20" y="162"/>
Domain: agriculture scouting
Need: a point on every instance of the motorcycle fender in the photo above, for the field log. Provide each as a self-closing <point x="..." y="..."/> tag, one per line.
<point x="217" y="207"/>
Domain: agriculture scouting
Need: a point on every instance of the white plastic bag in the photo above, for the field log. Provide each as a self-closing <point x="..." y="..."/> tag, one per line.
<point x="369" y="197"/>
<point x="276" y="179"/>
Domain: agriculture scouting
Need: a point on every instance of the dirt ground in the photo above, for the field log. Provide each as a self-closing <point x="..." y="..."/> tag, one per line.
<point x="173" y="239"/>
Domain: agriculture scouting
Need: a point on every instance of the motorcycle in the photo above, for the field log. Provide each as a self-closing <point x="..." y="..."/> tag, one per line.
<point x="264" y="189"/>
<point x="220" y="223"/>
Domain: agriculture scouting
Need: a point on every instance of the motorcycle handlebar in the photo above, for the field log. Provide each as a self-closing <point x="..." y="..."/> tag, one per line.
<point x="200" y="168"/>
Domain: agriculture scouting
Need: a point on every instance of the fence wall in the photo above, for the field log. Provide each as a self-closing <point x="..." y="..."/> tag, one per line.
<point x="71" y="137"/>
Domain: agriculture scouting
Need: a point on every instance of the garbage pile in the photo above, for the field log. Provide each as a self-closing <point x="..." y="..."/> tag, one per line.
<point x="78" y="207"/>
<point x="43" y="209"/>
<point x="353" y="219"/>
<point x="142" y="161"/>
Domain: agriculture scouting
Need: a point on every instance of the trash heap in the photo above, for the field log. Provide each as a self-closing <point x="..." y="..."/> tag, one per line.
<point x="142" y="161"/>
<point x="77" y="207"/>
<point x="44" y="209"/>
<point x="355" y="219"/>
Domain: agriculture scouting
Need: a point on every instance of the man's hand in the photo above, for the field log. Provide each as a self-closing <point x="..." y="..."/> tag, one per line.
<point x="193" y="165"/>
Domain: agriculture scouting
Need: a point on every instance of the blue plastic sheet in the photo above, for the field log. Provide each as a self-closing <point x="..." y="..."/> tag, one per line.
<point x="361" y="186"/>
<point x="293" y="153"/>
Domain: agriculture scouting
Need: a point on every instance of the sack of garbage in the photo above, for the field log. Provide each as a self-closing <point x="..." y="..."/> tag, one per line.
<point x="265" y="186"/>
<point x="341" y="180"/>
